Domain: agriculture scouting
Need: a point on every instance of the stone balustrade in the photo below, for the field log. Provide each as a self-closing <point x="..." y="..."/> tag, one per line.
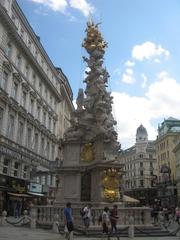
<point x="48" y="214"/>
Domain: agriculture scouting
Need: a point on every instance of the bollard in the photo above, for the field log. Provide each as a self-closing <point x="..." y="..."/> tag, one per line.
<point x="3" y="218"/>
<point x="56" y="223"/>
<point x="131" y="227"/>
<point x="33" y="218"/>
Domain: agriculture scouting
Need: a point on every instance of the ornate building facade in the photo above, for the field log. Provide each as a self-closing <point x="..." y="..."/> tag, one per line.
<point x="168" y="132"/>
<point x="140" y="168"/>
<point x="35" y="106"/>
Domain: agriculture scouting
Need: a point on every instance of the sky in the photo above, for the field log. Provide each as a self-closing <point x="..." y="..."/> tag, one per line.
<point x="142" y="58"/>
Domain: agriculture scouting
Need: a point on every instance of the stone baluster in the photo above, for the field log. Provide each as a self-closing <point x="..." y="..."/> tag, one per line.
<point x="33" y="216"/>
<point x="3" y="218"/>
<point x="147" y="216"/>
<point x="131" y="227"/>
<point x="26" y="218"/>
<point x="56" y="223"/>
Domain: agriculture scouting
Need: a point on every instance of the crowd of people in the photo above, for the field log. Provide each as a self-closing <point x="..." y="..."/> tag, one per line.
<point x="108" y="219"/>
<point x="164" y="214"/>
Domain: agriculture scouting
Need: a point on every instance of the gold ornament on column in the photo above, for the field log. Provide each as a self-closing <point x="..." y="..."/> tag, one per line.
<point x="110" y="181"/>
<point x="87" y="152"/>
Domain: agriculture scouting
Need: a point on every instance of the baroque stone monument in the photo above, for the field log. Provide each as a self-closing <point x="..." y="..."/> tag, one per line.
<point x="90" y="169"/>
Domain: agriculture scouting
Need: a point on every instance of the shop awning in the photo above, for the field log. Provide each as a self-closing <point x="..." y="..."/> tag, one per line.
<point x="36" y="194"/>
<point x="19" y="194"/>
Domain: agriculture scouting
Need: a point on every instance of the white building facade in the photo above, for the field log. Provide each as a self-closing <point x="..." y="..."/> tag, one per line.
<point x="35" y="104"/>
<point x="140" y="168"/>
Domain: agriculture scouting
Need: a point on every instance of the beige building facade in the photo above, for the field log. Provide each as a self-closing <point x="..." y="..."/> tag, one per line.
<point x="35" y="104"/>
<point x="140" y="168"/>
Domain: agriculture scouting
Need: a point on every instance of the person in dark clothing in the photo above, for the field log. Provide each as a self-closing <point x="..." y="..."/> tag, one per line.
<point x="113" y="219"/>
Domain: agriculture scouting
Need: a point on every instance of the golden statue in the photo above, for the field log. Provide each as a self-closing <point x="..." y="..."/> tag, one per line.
<point x="94" y="40"/>
<point x="110" y="181"/>
<point x="87" y="152"/>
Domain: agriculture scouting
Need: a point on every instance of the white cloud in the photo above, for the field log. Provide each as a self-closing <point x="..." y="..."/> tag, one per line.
<point x="143" y="85"/>
<point x="129" y="63"/>
<point x="128" y="76"/>
<point x="61" y="5"/>
<point x="83" y="6"/>
<point x="148" y="50"/>
<point x="129" y="79"/>
<point x="55" y="5"/>
<point x="161" y="100"/>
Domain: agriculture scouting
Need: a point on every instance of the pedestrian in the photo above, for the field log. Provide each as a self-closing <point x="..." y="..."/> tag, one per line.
<point x="68" y="221"/>
<point x="87" y="216"/>
<point x="105" y="220"/>
<point x="113" y="219"/>
<point x="177" y="214"/>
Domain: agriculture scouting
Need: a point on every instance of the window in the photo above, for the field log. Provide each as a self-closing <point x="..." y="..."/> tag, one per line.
<point x="24" y="94"/>
<point x="52" y="153"/>
<point x="34" y="80"/>
<point x="151" y="164"/>
<point x="18" y="61"/>
<point x="150" y="156"/>
<point x="40" y="88"/>
<point x="14" y="90"/>
<point x="47" y="150"/>
<point x="35" y="53"/>
<point x="141" y="173"/>
<point x="1" y="117"/>
<point x="29" y="44"/>
<point x="20" y="132"/>
<point x="22" y="32"/>
<point x="44" y="118"/>
<point x="16" y="169"/>
<point x="141" y="155"/>
<point x="36" y="142"/>
<point x="42" y="146"/>
<point x="27" y="71"/>
<point x="9" y="50"/>
<point x="54" y="127"/>
<point x="141" y="164"/>
<point x="25" y="169"/>
<point x="11" y="126"/>
<point x="141" y="183"/>
<point x="29" y="135"/>
<point x="151" y="173"/>
<point x="49" y="123"/>
<point x="38" y="112"/>
<point x="50" y="100"/>
<point x="32" y="106"/>
<point x="46" y="94"/>
<point x="4" y="80"/>
<point x="6" y="164"/>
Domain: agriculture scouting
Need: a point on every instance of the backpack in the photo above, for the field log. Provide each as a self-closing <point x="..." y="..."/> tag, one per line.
<point x="82" y="212"/>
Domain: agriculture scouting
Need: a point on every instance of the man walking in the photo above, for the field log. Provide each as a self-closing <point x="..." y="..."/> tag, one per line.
<point x="68" y="220"/>
<point x="114" y="218"/>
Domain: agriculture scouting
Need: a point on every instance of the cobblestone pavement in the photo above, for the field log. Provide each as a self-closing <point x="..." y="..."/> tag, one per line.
<point x="20" y="233"/>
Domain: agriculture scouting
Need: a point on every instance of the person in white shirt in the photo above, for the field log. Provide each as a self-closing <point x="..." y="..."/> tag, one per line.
<point x="87" y="216"/>
<point x="105" y="220"/>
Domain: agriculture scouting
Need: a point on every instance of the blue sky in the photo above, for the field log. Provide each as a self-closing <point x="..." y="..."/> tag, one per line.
<point x="142" y="57"/>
